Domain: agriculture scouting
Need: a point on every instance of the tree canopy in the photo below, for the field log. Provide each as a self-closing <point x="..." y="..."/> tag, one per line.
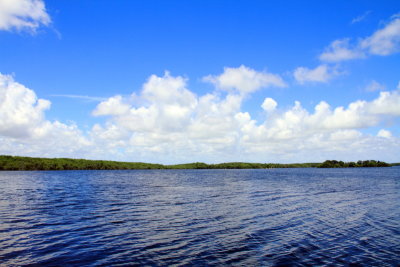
<point x="16" y="163"/>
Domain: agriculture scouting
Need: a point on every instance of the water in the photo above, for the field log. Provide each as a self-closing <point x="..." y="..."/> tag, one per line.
<point x="201" y="217"/>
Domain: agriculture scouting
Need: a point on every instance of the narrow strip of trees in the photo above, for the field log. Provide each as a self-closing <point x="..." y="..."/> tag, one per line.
<point x="358" y="164"/>
<point x="15" y="163"/>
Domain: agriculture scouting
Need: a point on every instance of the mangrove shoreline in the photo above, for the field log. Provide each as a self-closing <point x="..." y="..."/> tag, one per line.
<point x="17" y="163"/>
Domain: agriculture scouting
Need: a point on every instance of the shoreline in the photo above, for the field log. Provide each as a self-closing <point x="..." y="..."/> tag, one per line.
<point x="18" y="163"/>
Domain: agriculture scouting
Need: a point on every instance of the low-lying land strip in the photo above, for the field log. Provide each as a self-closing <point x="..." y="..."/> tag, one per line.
<point x="16" y="163"/>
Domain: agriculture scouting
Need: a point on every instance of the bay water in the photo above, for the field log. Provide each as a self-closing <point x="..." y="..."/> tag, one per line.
<point x="263" y="217"/>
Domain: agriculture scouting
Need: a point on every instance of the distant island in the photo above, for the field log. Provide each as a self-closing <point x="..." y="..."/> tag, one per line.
<point x="16" y="163"/>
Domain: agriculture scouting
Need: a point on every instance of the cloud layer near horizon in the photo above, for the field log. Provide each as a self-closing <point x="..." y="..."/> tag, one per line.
<point x="168" y="123"/>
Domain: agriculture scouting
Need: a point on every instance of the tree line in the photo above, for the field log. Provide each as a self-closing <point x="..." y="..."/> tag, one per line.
<point x="16" y="163"/>
<point x="358" y="164"/>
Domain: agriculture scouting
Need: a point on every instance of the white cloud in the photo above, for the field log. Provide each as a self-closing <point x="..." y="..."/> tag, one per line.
<point x="173" y="121"/>
<point x="20" y="110"/>
<point x="216" y="129"/>
<point x="23" y="15"/>
<point x="383" y="42"/>
<point x="172" y="124"/>
<point x="168" y="90"/>
<point x="339" y="50"/>
<point x="111" y="106"/>
<point x="325" y="132"/>
<point x="24" y="129"/>
<point x="374" y="86"/>
<point x="345" y="135"/>
<point x="169" y="105"/>
<point x="269" y="104"/>
<point x="322" y="73"/>
<point x="245" y="80"/>
<point x="384" y="133"/>
<point x="386" y="104"/>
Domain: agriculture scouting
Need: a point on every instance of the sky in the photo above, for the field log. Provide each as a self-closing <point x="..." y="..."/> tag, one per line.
<point x="211" y="81"/>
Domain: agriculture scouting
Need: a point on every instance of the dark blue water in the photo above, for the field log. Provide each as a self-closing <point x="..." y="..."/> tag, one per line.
<point x="201" y="217"/>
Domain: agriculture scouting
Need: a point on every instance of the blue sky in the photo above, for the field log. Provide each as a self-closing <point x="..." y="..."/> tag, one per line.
<point x="93" y="60"/>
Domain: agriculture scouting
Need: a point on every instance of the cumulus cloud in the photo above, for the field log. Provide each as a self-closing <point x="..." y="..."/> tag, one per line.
<point x="269" y="104"/>
<point x="20" y="110"/>
<point x="245" y="80"/>
<point x="168" y="106"/>
<point x="166" y="122"/>
<point x="297" y="121"/>
<point x="322" y="73"/>
<point x="24" y="129"/>
<point x="23" y="15"/>
<point x="172" y="120"/>
<point x="111" y="106"/>
<point x="326" y="131"/>
<point x="386" y="104"/>
<point x="216" y="129"/>
<point x="383" y="42"/>
<point x="384" y="133"/>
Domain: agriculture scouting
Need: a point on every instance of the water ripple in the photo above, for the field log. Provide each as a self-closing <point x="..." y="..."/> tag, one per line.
<point x="280" y="217"/>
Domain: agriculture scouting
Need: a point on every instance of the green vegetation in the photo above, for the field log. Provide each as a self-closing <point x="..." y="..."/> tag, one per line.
<point x="360" y="163"/>
<point x="241" y="165"/>
<point x="15" y="163"/>
<point x="29" y="164"/>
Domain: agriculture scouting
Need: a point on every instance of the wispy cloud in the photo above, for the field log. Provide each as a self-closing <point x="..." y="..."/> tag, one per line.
<point x="23" y="15"/>
<point x="322" y="73"/>
<point x="341" y="50"/>
<point x="383" y="42"/>
<point x="360" y="17"/>
<point x="84" y="97"/>
<point x="374" y="86"/>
